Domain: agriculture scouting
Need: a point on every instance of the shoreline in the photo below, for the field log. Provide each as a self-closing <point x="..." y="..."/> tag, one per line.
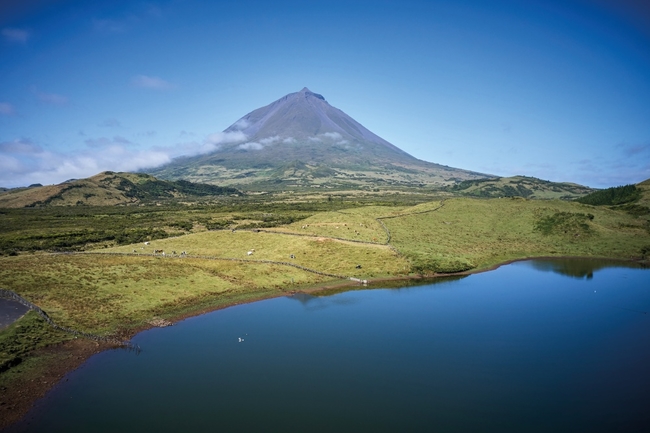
<point x="17" y="401"/>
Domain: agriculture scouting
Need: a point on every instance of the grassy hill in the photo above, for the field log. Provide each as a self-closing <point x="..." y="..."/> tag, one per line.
<point x="519" y="186"/>
<point x="633" y="199"/>
<point x="108" y="189"/>
<point x="644" y="200"/>
<point x="612" y="196"/>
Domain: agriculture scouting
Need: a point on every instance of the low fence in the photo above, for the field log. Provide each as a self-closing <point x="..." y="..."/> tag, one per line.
<point x="388" y="234"/>
<point x="227" y="259"/>
<point x="311" y="235"/>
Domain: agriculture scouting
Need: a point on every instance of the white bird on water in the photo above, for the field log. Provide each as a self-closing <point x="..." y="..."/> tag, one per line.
<point x="241" y="339"/>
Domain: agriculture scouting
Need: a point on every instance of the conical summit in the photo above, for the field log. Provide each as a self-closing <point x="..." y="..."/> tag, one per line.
<point x="301" y="141"/>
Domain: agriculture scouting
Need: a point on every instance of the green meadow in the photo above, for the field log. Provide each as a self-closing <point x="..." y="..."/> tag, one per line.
<point x="467" y="234"/>
<point x="113" y="287"/>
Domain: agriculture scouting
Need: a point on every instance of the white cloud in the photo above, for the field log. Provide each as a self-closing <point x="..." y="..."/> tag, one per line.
<point x="241" y="124"/>
<point x="270" y="140"/>
<point x="50" y="98"/>
<point x="20" y="146"/>
<point x="149" y="82"/>
<point x="328" y="137"/>
<point x="110" y="26"/>
<point x="252" y="145"/>
<point x="133" y="18"/>
<point x="634" y="149"/>
<point x="23" y="163"/>
<point x="111" y="123"/>
<point x="332" y="135"/>
<point x="9" y="164"/>
<point x="219" y="138"/>
<point x="7" y="109"/>
<point x="16" y="35"/>
<point x="289" y="140"/>
<point x="106" y="142"/>
<point x="210" y="144"/>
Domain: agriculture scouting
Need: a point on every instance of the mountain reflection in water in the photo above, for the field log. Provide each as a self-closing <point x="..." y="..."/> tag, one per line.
<point x="581" y="267"/>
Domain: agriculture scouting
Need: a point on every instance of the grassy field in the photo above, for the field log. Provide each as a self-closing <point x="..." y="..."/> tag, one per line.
<point x="318" y="253"/>
<point x="473" y="233"/>
<point x="116" y="285"/>
<point x="107" y="294"/>
<point x="101" y="293"/>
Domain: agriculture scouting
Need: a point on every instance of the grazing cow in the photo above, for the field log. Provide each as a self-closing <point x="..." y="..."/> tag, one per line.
<point x="134" y="251"/>
<point x="159" y="252"/>
<point x="250" y="253"/>
<point x="292" y="256"/>
<point x="173" y="252"/>
<point x="358" y="267"/>
<point x="183" y="253"/>
<point x="147" y="243"/>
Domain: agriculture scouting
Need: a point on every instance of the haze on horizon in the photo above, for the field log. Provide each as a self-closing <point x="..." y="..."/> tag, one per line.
<point x="556" y="89"/>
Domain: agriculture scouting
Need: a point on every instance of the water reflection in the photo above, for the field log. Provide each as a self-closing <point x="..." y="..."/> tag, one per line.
<point x="510" y="350"/>
<point x="310" y="302"/>
<point x="582" y="268"/>
<point x="327" y="298"/>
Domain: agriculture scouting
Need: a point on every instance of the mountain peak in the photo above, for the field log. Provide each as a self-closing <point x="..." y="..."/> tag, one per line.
<point x="308" y="92"/>
<point x="321" y="140"/>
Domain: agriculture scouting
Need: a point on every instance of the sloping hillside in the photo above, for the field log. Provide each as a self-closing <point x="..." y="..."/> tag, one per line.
<point x="520" y="186"/>
<point x="108" y="189"/>
<point x="644" y="200"/>
<point x="633" y="199"/>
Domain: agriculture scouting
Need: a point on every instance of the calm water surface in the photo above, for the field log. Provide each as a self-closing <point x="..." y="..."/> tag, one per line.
<point x="532" y="346"/>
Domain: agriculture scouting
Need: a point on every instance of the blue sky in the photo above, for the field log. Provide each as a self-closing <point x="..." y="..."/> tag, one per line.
<point x="553" y="89"/>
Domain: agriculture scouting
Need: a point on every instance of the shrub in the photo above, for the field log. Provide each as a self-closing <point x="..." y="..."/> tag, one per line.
<point x="571" y="223"/>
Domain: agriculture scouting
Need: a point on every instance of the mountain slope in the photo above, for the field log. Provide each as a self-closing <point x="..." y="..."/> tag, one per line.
<point x="107" y="189"/>
<point x="300" y="140"/>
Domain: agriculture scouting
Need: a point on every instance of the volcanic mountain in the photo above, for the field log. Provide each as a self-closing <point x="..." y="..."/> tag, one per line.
<point x="300" y="140"/>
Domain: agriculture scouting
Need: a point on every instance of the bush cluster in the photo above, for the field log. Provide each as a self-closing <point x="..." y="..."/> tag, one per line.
<point x="572" y="223"/>
<point x="612" y="196"/>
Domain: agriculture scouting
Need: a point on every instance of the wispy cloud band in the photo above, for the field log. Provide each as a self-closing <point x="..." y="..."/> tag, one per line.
<point x="149" y="82"/>
<point x="16" y="35"/>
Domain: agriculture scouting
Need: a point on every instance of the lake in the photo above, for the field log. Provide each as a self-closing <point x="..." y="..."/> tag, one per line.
<point x="535" y="346"/>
